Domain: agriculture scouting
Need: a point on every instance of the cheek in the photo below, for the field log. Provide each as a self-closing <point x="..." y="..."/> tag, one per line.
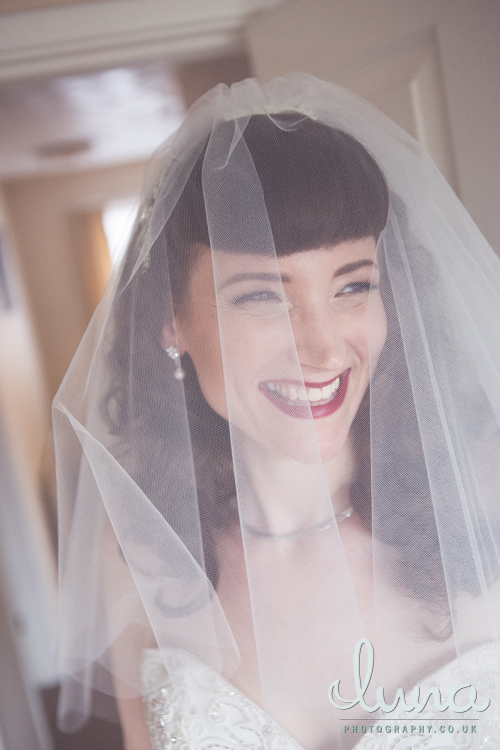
<point x="252" y="345"/>
<point x="249" y="346"/>
<point x="376" y="331"/>
<point x="205" y="351"/>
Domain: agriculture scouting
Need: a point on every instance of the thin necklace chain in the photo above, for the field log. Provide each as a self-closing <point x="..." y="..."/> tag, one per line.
<point x="300" y="534"/>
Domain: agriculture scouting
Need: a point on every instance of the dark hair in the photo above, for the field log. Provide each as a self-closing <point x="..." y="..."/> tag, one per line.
<point x="321" y="187"/>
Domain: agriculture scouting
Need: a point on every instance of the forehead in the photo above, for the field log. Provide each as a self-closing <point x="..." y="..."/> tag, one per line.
<point x="296" y="266"/>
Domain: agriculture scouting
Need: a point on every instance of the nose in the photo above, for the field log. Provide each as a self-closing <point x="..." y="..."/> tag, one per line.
<point x="319" y="340"/>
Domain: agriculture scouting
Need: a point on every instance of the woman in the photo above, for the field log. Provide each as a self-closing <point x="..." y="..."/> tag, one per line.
<point x="277" y="444"/>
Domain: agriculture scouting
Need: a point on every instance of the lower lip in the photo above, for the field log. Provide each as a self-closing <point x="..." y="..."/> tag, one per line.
<point x="308" y="410"/>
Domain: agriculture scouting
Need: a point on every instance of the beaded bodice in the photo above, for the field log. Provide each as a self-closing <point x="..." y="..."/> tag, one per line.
<point x="190" y="707"/>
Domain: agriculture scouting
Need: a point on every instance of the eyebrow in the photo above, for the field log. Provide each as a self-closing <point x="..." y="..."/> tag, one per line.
<point x="284" y="279"/>
<point x="352" y="267"/>
<point x="255" y="277"/>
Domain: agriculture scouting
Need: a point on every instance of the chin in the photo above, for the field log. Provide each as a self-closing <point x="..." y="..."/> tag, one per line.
<point x="314" y="449"/>
<point x="328" y="448"/>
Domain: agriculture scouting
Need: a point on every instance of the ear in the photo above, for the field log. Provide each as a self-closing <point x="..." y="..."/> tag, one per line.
<point x="171" y="335"/>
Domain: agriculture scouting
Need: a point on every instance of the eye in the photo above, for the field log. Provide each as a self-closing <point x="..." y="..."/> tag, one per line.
<point x="263" y="303"/>
<point x="357" y="287"/>
<point x="261" y="296"/>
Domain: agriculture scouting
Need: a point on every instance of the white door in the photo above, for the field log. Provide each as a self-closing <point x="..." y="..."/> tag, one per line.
<point x="431" y="65"/>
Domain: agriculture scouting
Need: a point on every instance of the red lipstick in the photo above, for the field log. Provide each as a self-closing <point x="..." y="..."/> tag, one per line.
<point x="303" y="410"/>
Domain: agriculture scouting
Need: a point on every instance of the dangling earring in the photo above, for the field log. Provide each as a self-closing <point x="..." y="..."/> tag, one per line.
<point x="173" y="353"/>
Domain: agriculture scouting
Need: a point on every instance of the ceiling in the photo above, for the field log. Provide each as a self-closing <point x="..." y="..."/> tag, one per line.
<point x="83" y="87"/>
<point x="67" y="123"/>
<point x="84" y="121"/>
<point x="18" y="6"/>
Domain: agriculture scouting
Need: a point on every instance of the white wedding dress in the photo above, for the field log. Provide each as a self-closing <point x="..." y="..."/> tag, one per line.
<point x="205" y="712"/>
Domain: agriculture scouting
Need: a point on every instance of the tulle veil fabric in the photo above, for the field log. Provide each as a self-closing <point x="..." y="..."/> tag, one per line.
<point x="139" y="529"/>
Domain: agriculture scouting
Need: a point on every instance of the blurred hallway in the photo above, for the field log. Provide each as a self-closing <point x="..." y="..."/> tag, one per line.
<point x="88" y="91"/>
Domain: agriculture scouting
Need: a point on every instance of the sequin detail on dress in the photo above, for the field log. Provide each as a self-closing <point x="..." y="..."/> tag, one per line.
<point x="190" y="707"/>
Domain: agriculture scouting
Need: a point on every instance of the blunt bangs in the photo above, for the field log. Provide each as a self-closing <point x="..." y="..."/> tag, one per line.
<point x="321" y="187"/>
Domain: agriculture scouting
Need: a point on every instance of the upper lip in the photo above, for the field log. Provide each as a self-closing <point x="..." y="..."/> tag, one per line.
<point x="305" y="383"/>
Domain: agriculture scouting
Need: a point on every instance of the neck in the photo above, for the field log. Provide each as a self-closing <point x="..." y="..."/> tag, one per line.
<point x="283" y="496"/>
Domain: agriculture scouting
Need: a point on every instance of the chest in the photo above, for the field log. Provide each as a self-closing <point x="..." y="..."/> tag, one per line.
<point x="297" y="614"/>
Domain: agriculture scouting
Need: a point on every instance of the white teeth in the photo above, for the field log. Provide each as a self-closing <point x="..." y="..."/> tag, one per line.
<point x="314" y="394"/>
<point x="311" y="395"/>
<point x="326" y="391"/>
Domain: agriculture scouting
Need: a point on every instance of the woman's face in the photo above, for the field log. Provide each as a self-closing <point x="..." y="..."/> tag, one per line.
<point x="298" y="336"/>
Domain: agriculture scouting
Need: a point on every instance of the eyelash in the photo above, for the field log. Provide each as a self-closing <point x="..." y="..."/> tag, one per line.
<point x="360" y="286"/>
<point x="262" y="296"/>
<point x="268" y="296"/>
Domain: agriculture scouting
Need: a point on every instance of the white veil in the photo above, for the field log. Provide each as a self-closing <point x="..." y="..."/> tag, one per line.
<point x="158" y="474"/>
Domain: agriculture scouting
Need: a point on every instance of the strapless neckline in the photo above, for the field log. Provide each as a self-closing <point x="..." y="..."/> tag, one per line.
<point x="191" y="707"/>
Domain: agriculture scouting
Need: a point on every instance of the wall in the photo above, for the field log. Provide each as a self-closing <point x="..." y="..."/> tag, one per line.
<point x="40" y="212"/>
<point x="27" y="554"/>
<point x="347" y="42"/>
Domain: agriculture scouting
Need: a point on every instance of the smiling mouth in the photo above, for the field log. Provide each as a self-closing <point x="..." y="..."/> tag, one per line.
<point x="302" y="400"/>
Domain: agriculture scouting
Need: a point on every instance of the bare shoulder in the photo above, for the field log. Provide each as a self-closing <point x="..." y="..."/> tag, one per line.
<point x="133" y="723"/>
